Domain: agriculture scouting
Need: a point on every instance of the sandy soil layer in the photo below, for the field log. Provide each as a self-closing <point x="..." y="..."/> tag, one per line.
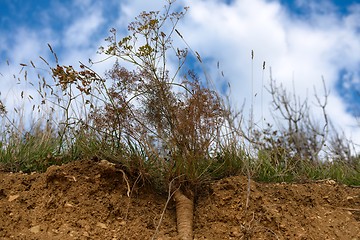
<point x="90" y="200"/>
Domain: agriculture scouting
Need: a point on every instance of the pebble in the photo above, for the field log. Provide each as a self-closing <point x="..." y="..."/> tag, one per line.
<point x="35" y="229"/>
<point x="101" y="225"/>
<point x="13" y="197"/>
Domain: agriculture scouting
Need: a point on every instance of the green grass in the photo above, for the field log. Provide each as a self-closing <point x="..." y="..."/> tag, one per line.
<point x="142" y="121"/>
<point x="28" y="153"/>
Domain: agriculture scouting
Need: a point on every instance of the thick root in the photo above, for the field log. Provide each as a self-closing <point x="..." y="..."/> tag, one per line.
<point x="184" y="215"/>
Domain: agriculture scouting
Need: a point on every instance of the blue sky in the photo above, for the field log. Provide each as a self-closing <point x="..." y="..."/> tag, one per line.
<point x="301" y="40"/>
<point x="302" y="8"/>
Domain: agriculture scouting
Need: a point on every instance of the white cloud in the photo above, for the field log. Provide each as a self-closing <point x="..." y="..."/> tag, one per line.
<point x="81" y="32"/>
<point x="23" y="46"/>
<point x="299" y="50"/>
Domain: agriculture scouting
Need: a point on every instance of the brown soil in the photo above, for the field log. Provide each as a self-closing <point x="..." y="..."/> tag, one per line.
<point x="88" y="200"/>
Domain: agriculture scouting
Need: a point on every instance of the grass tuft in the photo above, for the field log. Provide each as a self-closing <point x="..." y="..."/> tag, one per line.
<point x="165" y="125"/>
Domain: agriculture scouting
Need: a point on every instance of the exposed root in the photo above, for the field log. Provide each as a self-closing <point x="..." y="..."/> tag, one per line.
<point x="130" y="190"/>
<point x="184" y="215"/>
<point x="170" y="195"/>
<point x="127" y="183"/>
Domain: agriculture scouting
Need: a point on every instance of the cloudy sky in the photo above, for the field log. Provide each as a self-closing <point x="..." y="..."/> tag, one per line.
<point x="301" y="41"/>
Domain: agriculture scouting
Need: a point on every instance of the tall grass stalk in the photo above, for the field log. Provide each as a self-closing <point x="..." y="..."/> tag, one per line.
<point x="168" y="128"/>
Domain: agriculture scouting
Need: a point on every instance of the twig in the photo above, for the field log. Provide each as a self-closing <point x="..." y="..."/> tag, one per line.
<point x="165" y="207"/>
<point x="246" y="229"/>
<point x="127" y="183"/>
<point x="129" y="194"/>
<point x="248" y="190"/>
<point x="248" y="185"/>
<point x="272" y="233"/>
<point x="344" y="208"/>
<point x="351" y="209"/>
